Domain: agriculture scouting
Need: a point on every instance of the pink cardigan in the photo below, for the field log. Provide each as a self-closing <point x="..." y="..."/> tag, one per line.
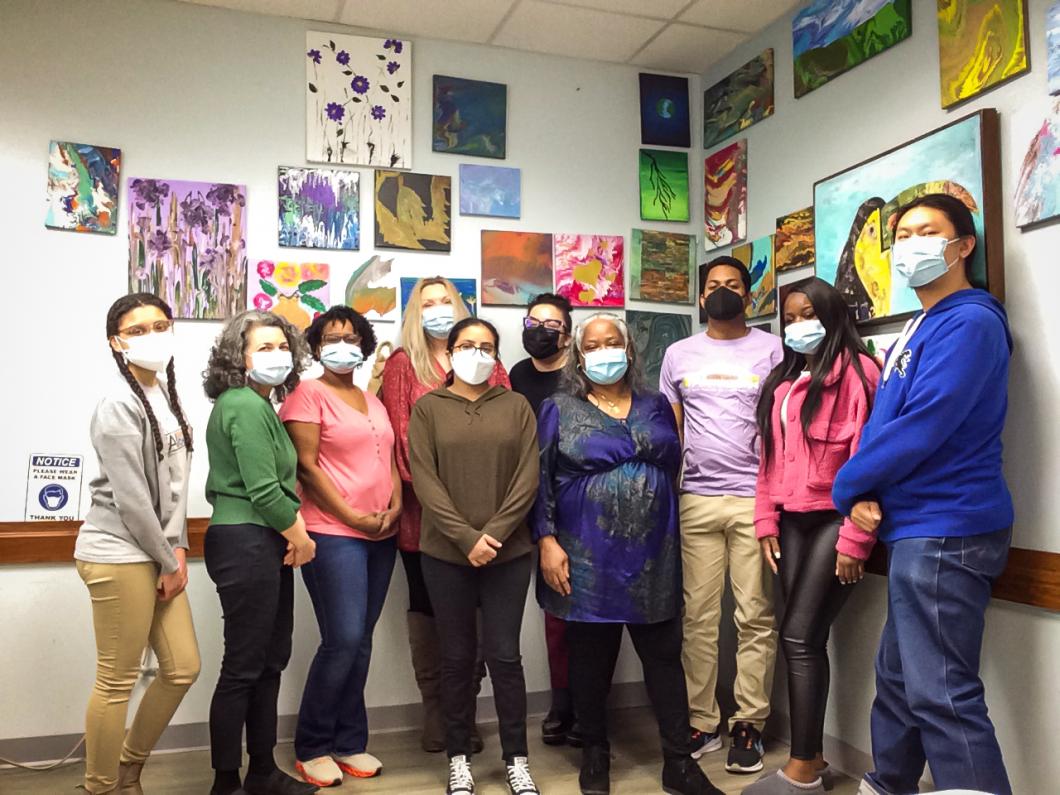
<point x="798" y="475"/>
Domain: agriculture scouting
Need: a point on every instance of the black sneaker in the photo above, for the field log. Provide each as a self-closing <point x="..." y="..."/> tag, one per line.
<point x="517" y="774"/>
<point x="705" y="742"/>
<point x="683" y="776"/>
<point x="460" y="780"/>
<point x="555" y="726"/>
<point x="276" y="783"/>
<point x="745" y="753"/>
<point x="595" y="775"/>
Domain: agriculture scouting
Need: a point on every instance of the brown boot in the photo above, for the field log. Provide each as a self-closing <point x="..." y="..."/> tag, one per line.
<point x="129" y="778"/>
<point x="427" y="665"/>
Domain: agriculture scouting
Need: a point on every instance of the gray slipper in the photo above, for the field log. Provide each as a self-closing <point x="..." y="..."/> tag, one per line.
<point x="777" y="783"/>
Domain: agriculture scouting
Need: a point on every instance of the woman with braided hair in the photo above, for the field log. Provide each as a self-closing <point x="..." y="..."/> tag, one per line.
<point x="131" y="548"/>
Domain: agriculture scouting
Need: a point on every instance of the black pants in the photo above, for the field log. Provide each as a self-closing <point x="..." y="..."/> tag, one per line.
<point x="813" y="597"/>
<point x="245" y="562"/>
<point x="593" y="654"/>
<point x="419" y="598"/>
<point x="457" y="592"/>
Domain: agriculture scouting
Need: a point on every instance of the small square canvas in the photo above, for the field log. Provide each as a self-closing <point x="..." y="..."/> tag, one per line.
<point x="663" y="185"/>
<point x="295" y="291"/>
<point x="1038" y="187"/>
<point x="590" y="269"/>
<point x="319" y="208"/>
<point x="516" y="267"/>
<point x="664" y="117"/>
<point x="373" y="290"/>
<point x="725" y="200"/>
<point x="468" y="289"/>
<point x="492" y="191"/>
<point x="661" y="266"/>
<point x="981" y="43"/>
<point x="653" y="333"/>
<point x="470" y="117"/>
<point x="83" y="187"/>
<point x="743" y="98"/>
<point x="793" y="245"/>
<point x="412" y="211"/>
<point x="1052" y="46"/>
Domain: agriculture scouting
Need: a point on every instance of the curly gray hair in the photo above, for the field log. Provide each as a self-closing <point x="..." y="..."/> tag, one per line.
<point x="574" y="380"/>
<point x="227" y="366"/>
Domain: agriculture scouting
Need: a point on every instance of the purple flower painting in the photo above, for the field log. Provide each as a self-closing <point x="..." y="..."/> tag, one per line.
<point x="319" y="208"/>
<point x="187" y="244"/>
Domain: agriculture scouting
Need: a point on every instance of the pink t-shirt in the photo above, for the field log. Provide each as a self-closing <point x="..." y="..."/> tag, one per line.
<point x="355" y="451"/>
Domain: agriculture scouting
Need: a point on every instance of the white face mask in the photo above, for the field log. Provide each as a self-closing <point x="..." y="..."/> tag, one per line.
<point x="150" y="351"/>
<point x="270" y="368"/>
<point x="341" y="357"/>
<point x="921" y="259"/>
<point x="438" y="320"/>
<point x="473" y="367"/>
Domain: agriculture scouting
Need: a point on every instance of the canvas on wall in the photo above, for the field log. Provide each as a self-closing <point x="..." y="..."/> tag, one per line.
<point x="292" y="290"/>
<point x="661" y="266"/>
<point x="879" y="345"/>
<point x="1037" y="196"/>
<point x="470" y="117"/>
<point x="358" y="100"/>
<point x="758" y="257"/>
<point x="653" y="333"/>
<point x="188" y="245"/>
<point x="412" y="211"/>
<point x="664" y="116"/>
<point x="741" y="99"/>
<point x="83" y="187"/>
<point x="319" y="208"/>
<point x="590" y="269"/>
<point x="372" y="290"/>
<point x="663" y="185"/>
<point x="793" y="243"/>
<point x="1052" y="47"/>
<point x="981" y="43"/>
<point x="830" y="37"/>
<point x="516" y="267"/>
<point x="468" y="289"/>
<point x="492" y="191"/>
<point x="725" y="196"/>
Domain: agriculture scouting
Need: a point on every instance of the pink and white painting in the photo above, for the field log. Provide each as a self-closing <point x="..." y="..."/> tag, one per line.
<point x="590" y="269"/>
<point x="296" y="291"/>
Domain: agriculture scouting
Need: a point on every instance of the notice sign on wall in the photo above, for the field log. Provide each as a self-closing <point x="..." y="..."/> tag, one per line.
<point x="53" y="487"/>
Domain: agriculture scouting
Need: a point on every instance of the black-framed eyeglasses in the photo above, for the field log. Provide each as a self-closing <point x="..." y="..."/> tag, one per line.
<point x="552" y="325"/>
<point x="486" y="348"/>
<point x="332" y="339"/>
<point x="158" y="327"/>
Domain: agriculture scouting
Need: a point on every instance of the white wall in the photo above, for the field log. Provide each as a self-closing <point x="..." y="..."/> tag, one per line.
<point x="203" y="94"/>
<point x="888" y="100"/>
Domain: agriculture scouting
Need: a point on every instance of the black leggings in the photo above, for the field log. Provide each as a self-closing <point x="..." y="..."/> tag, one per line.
<point x="813" y="597"/>
<point x="419" y="599"/>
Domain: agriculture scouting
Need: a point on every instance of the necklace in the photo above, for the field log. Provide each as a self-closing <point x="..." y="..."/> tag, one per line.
<point x="613" y="407"/>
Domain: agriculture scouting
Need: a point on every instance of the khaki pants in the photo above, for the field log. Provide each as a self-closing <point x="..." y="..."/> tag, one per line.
<point x="127" y="616"/>
<point x="717" y="534"/>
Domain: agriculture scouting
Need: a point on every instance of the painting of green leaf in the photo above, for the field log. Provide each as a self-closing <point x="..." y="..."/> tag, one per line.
<point x="981" y="43"/>
<point x="652" y="334"/>
<point x="663" y="185"/>
<point x="743" y="98"/>
<point x="295" y="291"/>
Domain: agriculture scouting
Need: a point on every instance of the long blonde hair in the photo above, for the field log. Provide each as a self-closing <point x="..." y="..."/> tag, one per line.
<point x="414" y="338"/>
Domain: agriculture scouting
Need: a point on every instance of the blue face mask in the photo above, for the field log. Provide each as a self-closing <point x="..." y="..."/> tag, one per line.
<point x="270" y="368"/>
<point x="921" y="259"/>
<point x="804" y="336"/>
<point x="606" y="365"/>
<point x="341" y="357"/>
<point x="438" y="320"/>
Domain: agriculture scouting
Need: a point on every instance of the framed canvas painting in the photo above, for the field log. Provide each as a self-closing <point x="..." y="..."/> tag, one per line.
<point x="295" y="291"/>
<point x="470" y="117"/>
<point x="590" y="269"/>
<point x="664" y="116"/>
<point x="319" y="208"/>
<point x="661" y="266"/>
<point x="725" y="196"/>
<point x="741" y="99"/>
<point x="1037" y="198"/>
<point x="83" y="187"/>
<point x="491" y="191"/>
<point x="516" y="267"/>
<point x="982" y="43"/>
<point x="758" y="257"/>
<point x="653" y="333"/>
<point x="793" y="242"/>
<point x="412" y="211"/>
<point x="663" y="185"/>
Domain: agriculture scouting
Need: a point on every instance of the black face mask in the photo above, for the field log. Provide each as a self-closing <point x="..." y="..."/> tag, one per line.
<point x="541" y="342"/>
<point x="724" y="304"/>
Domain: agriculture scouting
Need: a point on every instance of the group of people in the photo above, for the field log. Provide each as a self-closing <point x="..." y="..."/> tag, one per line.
<point x="759" y="461"/>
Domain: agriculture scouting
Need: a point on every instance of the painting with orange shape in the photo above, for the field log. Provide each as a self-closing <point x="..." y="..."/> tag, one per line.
<point x="725" y="196"/>
<point x="590" y="269"/>
<point x="373" y="290"/>
<point x="295" y="291"/>
<point x="516" y="267"/>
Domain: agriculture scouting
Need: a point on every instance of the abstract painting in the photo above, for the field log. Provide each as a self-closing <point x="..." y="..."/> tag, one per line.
<point x="854" y="213"/>
<point x="981" y="43"/>
<point x="412" y="211"/>
<point x="319" y="208"/>
<point x="661" y="265"/>
<point x="83" y="187"/>
<point x="296" y="291"/>
<point x="1052" y="46"/>
<point x="358" y="100"/>
<point x="470" y="117"/>
<point x="830" y="37"/>
<point x="373" y="291"/>
<point x="664" y="117"/>
<point x="758" y="257"/>
<point x="725" y="196"/>
<point x="516" y="267"/>
<point x="663" y="185"/>
<point x="1038" y="188"/>
<point x="702" y="286"/>
<point x="743" y="98"/>
<point x="590" y="269"/>
<point x="188" y="245"/>
<point x="490" y="190"/>
<point x="793" y="244"/>
<point x="653" y="333"/>
<point x="468" y="289"/>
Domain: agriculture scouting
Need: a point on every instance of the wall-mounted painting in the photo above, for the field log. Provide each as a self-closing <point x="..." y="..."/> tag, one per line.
<point x="743" y="98"/>
<point x="83" y="187"/>
<point x="879" y="345"/>
<point x="293" y="290"/>
<point x="653" y="333"/>
<point x="854" y="213"/>
<point x="758" y="257"/>
<point x="358" y="100"/>
<point x="1052" y="47"/>
<point x="468" y="289"/>
<point x="981" y="43"/>
<point x="412" y="211"/>
<point x="372" y="290"/>
<point x="725" y="196"/>
<point x="793" y="243"/>
<point x="470" y="117"/>
<point x="664" y="117"/>
<point x="661" y="266"/>
<point x="319" y="208"/>
<point x="663" y="185"/>
<point x="490" y="190"/>
<point x="590" y="269"/>
<point x="830" y="37"/>
<point x="1038" y="188"/>
<point x="188" y="245"/>
<point x="516" y="267"/>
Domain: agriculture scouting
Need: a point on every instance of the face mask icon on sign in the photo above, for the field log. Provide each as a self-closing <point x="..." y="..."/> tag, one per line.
<point x="52" y="497"/>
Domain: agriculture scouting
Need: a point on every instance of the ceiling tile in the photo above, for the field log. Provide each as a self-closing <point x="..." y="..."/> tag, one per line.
<point x="657" y="9"/>
<point x="687" y="48"/>
<point x="302" y="9"/>
<point x="461" y="20"/>
<point x="749" y="16"/>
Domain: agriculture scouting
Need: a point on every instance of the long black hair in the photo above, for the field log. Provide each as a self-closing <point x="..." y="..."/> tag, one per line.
<point x="117" y="311"/>
<point x="841" y="340"/>
<point x="460" y="325"/>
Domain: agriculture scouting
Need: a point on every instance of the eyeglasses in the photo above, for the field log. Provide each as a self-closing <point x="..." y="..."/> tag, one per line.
<point x="332" y="339"/>
<point x="158" y="327"/>
<point x="551" y="325"/>
<point x="486" y="348"/>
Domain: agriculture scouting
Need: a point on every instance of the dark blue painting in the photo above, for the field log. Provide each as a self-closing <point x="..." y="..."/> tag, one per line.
<point x="664" y="118"/>
<point x="470" y="117"/>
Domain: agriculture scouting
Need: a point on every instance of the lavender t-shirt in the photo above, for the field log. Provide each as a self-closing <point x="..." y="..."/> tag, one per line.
<point x="717" y="383"/>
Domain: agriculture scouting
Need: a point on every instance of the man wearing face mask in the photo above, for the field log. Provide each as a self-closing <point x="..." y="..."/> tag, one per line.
<point x="713" y="380"/>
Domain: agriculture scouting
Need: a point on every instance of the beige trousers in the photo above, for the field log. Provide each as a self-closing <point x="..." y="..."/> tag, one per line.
<point x="718" y="534"/>
<point x="127" y="616"/>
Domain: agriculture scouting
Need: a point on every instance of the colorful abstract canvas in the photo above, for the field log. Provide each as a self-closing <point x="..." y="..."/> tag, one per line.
<point x="292" y="290"/>
<point x="83" y="187"/>
<point x="793" y="243"/>
<point x="358" y="100"/>
<point x="758" y="256"/>
<point x="319" y="208"/>
<point x="743" y="98"/>
<point x="490" y="190"/>
<point x="468" y="289"/>
<point x="1052" y="46"/>
<point x="516" y="267"/>
<point x="664" y="116"/>
<point x="981" y="43"/>
<point x="470" y="117"/>
<point x="412" y="211"/>
<point x="590" y="269"/>
<point x="373" y="290"/>
<point x="725" y="196"/>
<point x="188" y="245"/>
<point x="653" y="333"/>
<point x="1038" y="188"/>
<point x="830" y="37"/>
<point x="663" y="185"/>
<point x="661" y="266"/>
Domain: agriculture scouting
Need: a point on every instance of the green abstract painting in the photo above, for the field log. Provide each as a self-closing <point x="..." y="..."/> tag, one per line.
<point x="663" y="185"/>
<point x="743" y="98"/>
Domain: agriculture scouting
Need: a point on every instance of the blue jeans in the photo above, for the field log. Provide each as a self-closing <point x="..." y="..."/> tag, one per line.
<point x="347" y="582"/>
<point x="929" y="699"/>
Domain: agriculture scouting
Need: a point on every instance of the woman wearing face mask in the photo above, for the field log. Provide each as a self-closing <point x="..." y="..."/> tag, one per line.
<point x="473" y="450"/>
<point x="927" y="478"/>
<point x="131" y="548"/>
<point x="255" y="538"/>
<point x="351" y="497"/>
<point x="606" y="525"/>
<point x="420" y="365"/>
<point x="813" y="407"/>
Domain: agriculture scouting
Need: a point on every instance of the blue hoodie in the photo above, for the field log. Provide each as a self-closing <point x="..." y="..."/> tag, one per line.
<point x="930" y="453"/>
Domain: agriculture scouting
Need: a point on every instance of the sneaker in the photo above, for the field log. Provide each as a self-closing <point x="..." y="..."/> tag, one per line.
<point x="518" y="777"/>
<point x="705" y="742"/>
<point x="683" y="776"/>
<point x="361" y="765"/>
<point x="460" y="780"/>
<point x="595" y="775"/>
<point x="321" y="772"/>
<point x="776" y="783"/>
<point x="555" y="726"/>
<point x="745" y="753"/>
<point x="276" y="783"/>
